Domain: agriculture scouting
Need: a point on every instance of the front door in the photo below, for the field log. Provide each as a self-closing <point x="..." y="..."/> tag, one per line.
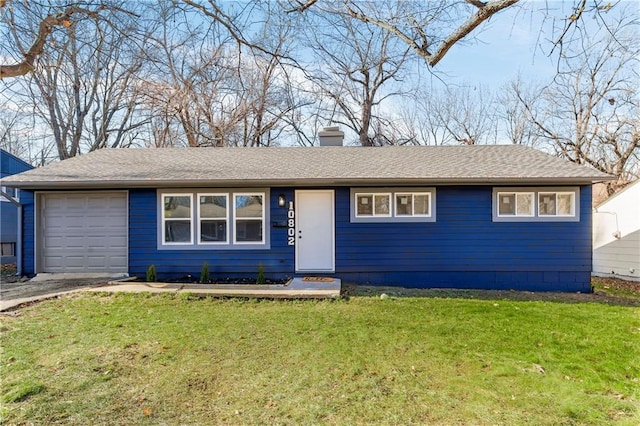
<point x="315" y="231"/>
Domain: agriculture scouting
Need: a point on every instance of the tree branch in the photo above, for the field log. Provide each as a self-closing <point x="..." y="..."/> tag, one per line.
<point x="44" y="29"/>
<point x="302" y="6"/>
<point x="485" y="11"/>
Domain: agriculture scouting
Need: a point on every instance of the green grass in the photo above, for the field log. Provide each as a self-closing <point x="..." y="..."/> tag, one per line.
<point x="141" y="359"/>
<point x="616" y="287"/>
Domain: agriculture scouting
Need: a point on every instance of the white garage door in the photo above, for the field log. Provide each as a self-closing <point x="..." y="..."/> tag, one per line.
<point x="83" y="232"/>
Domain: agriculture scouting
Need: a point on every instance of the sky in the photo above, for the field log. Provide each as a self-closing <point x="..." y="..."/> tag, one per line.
<point x="512" y="44"/>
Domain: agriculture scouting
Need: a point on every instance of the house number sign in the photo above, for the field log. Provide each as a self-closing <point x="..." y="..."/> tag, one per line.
<point x="291" y="225"/>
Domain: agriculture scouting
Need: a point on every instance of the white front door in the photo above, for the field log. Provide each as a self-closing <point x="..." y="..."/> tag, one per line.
<point x="315" y="250"/>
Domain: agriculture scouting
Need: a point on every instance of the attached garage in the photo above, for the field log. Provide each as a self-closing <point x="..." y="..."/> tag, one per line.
<point x="82" y="232"/>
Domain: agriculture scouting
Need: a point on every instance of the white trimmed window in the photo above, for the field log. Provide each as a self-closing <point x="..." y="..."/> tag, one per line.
<point x="213" y="218"/>
<point x="176" y="219"/>
<point x="12" y="192"/>
<point x="393" y="205"/>
<point x="368" y="205"/>
<point x="556" y="204"/>
<point x="249" y="218"/>
<point x="536" y="204"/>
<point x="515" y="203"/>
<point x="413" y="204"/>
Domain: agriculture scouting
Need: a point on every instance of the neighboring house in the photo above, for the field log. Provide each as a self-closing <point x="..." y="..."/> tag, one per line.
<point x="9" y="165"/>
<point x="616" y="234"/>
<point x="492" y="217"/>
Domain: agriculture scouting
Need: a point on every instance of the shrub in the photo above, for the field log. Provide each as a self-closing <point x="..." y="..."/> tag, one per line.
<point x="204" y="273"/>
<point x="261" y="279"/>
<point x="151" y="274"/>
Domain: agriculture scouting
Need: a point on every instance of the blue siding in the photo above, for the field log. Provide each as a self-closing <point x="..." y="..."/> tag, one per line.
<point x="278" y="262"/>
<point x="10" y="165"/>
<point x="464" y="248"/>
<point x="28" y="232"/>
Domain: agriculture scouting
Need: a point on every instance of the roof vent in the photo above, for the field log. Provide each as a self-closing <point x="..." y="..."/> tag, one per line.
<point x="331" y="136"/>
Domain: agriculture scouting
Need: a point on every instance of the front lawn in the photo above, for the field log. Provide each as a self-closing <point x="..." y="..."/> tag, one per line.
<point x="166" y="359"/>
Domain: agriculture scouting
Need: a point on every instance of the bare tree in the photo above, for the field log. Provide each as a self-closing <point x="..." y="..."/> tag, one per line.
<point x="513" y="115"/>
<point x="81" y="90"/>
<point x="56" y="16"/>
<point x="590" y="112"/>
<point x="355" y="66"/>
<point x="430" y="29"/>
<point x="208" y="90"/>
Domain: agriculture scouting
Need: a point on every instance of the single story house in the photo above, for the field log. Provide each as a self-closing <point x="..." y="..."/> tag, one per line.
<point x="490" y="217"/>
<point x="9" y="165"/>
<point x="616" y="235"/>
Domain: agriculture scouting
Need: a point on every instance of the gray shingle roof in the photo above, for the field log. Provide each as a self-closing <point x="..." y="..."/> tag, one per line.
<point x="306" y="166"/>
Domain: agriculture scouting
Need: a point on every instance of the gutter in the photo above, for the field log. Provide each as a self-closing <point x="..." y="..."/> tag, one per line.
<point x="19" y="236"/>
<point x="300" y="182"/>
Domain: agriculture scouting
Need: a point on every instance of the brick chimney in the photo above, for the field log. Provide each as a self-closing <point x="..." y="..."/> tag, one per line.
<point x="331" y="136"/>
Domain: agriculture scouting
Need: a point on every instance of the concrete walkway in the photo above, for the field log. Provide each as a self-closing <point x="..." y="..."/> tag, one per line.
<point x="297" y="288"/>
<point x="53" y="286"/>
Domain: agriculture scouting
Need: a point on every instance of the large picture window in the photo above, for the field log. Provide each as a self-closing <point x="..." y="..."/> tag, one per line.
<point x="393" y="205"/>
<point x="536" y="204"/>
<point x="213" y="219"/>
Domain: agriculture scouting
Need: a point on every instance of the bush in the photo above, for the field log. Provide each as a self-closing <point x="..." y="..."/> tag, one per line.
<point x="151" y="274"/>
<point x="204" y="273"/>
<point x="261" y="279"/>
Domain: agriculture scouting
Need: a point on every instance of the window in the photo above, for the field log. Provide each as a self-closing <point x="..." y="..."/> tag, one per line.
<point x="7" y="249"/>
<point x="556" y="203"/>
<point x="213" y="215"/>
<point x="373" y="205"/>
<point x="249" y="218"/>
<point x="392" y="205"/>
<point x="413" y="204"/>
<point x="176" y="219"/>
<point x="515" y="203"/>
<point x="213" y="219"/>
<point x="12" y="192"/>
<point x="536" y="204"/>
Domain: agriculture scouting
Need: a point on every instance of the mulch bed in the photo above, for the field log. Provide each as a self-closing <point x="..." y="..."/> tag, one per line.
<point x="632" y="298"/>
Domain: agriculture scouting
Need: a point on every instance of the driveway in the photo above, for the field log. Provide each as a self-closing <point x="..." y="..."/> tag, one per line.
<point x="15" y="293"/>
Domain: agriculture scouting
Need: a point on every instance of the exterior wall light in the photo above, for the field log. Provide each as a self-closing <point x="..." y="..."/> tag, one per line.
<point x="282" y="200"/>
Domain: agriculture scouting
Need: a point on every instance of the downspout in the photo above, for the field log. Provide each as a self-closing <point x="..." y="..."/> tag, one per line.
<point x="19" y="236"/>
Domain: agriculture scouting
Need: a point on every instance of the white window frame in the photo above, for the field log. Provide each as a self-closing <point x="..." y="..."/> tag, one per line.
<point x="515" y="194"/>
<point x="200" y="218"/>
<point x="555" y="194"/>
<point x="7" y="190"/>
<point x="181" y="219"/>
<point x="392" y="217"/>
<point x="412" y="194"/>
<point x="231" y="243"/>
<point x="373" y="196"/>
<point x="236" y="218"/>
<point x="537" y="191"/>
